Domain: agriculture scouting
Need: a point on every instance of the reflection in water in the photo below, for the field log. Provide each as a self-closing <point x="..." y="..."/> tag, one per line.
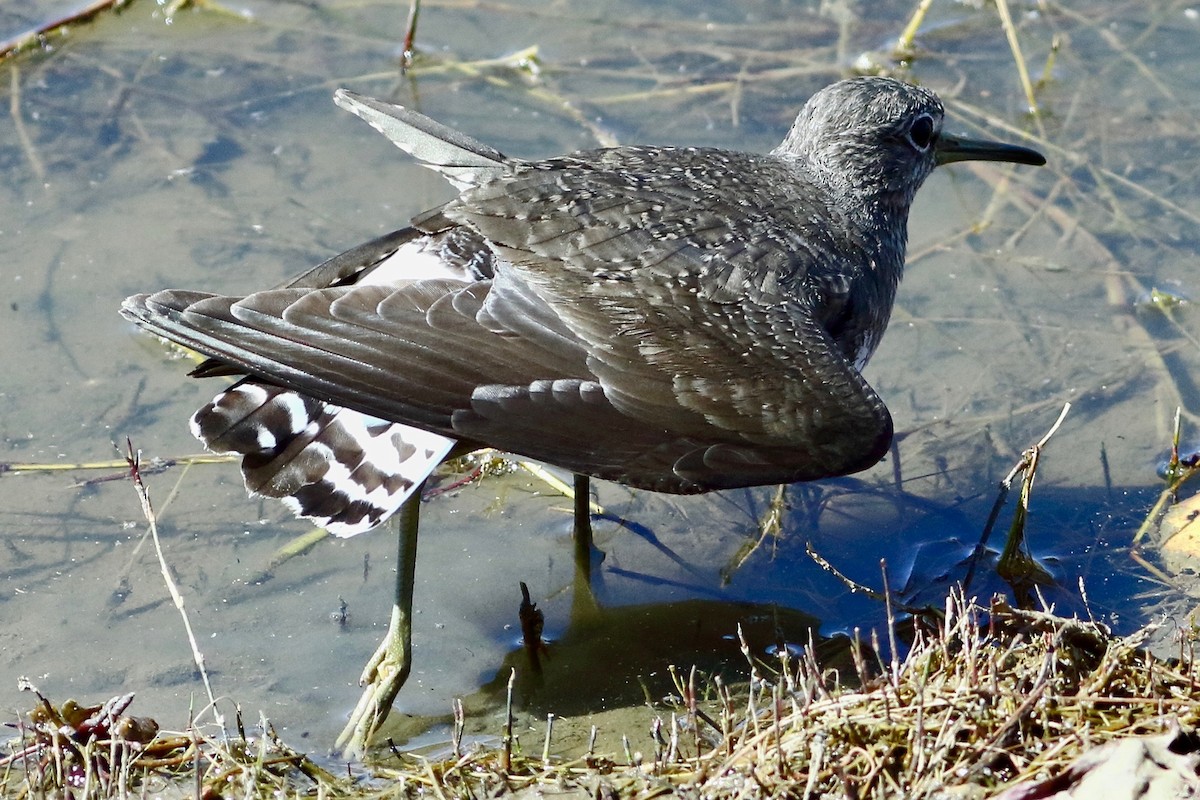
<point x="634" y="655"/>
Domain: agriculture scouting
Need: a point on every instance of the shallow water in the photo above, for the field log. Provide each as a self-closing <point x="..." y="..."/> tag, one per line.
<point x="206" y="153"/>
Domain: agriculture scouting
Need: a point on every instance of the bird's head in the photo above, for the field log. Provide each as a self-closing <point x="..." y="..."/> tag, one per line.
<point x="880" y="137"/>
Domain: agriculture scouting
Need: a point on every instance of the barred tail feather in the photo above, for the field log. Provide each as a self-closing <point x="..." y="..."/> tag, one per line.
<point x="345" y="471"/>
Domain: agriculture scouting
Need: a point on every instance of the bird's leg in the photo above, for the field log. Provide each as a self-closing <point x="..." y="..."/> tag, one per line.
<point x="583" y="600"/>
<point x="582" y="532"/>
<point x="388" y="668"/>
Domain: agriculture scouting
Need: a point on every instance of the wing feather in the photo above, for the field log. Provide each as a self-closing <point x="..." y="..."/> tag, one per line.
<point x="604" y="315"/>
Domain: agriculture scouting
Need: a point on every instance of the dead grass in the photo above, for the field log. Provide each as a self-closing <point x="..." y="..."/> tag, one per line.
<point x="985" y="698"/>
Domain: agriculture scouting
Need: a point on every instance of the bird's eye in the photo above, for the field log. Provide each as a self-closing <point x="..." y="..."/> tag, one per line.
<point x="922" y="132"/>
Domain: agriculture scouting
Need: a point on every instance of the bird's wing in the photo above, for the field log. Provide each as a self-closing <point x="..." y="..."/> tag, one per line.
<point x="744" y="224"/>
<point x="460" y="159"/>
<point x="697" y="397"/>
<point x="343" y="268"/>
<point x="457" y="252"/>
<point x="349" y="267"/>
<point x="688" y="394"/>
<point x="692" y="289"/>
<point x="635" y="329"/>
<point x="414" y="352"/>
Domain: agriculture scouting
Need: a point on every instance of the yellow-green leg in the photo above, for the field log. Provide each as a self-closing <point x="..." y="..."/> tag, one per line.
<point x="388" y="669"/>
<point x="583" y="604"/>
<point x="583" y="524"/>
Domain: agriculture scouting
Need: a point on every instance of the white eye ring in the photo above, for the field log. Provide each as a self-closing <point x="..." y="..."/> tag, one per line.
<point x="922" y="133"/>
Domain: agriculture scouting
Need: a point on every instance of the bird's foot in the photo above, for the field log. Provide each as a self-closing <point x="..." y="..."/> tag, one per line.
<point x="384" y="675"/>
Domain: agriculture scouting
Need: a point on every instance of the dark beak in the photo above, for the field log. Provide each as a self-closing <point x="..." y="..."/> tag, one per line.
<point x="958" y="148"/>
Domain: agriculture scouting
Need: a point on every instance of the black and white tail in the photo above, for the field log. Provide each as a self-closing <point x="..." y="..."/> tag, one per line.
<point x="345" y="471"/>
